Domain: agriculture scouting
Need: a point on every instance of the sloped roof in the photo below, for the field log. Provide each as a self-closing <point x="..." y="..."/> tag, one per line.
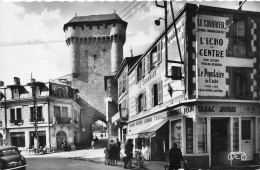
<point x="94" y="19"/>
<point x="91" y="18"/>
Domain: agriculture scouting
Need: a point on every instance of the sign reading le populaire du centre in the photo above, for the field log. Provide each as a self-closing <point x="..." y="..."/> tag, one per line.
<point x="211" y="55"/>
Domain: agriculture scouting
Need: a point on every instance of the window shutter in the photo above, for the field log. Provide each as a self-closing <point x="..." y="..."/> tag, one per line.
<point x="148" y="63"/>
<point x="159" y="57"/>
<point x="143" y="67"/>
<point x="19" y="113"/>
<point x="160" y="94"/>
<point x="144" y="100"/>
<point x="136" y="104"/>
<point x="152" y="96"/>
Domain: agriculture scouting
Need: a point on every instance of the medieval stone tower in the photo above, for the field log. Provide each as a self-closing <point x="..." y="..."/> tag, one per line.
<point x="96" y="51"/>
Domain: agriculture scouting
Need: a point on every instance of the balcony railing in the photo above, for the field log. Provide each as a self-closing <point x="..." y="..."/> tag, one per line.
<point x="41" y="119"/>
<point x="62" y="120"/>
<point x="16" y="122"/>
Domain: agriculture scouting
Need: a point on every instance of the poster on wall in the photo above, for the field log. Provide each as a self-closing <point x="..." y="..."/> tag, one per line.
<point x="211" y="55"/>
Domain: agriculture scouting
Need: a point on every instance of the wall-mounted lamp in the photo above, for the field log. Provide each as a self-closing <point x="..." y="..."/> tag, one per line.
<point x="157" y="22"/>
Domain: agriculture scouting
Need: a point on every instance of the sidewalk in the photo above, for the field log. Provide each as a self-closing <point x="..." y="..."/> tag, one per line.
<point x="93" y="155"/>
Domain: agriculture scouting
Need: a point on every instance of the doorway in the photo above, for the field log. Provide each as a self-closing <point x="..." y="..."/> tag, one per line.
<point x="247" y="138"/>
<point x="220" y="141"/>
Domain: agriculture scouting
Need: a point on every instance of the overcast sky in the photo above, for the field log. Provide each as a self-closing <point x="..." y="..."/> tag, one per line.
<point x="32" y="38"/>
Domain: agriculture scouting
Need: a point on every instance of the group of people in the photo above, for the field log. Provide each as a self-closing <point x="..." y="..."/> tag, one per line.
<point x="112" y="152"/>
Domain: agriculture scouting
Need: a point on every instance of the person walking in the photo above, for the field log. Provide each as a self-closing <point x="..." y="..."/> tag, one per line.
<point x="129" y="152"/>
<point x="175" y="157"/>
<point x="118" y="148"/>
<point x="93" y="144"/>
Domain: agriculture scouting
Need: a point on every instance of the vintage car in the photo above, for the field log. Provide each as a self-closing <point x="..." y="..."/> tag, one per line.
<point x="11" y="158"/>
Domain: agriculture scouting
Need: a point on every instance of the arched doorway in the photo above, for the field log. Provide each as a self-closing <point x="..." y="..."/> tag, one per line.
<point x="61" y="135"/>
<point x="99" y="133"/>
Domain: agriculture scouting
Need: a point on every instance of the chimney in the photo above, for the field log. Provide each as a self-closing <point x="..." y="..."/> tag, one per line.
<point x="239" y="3"/>
<point x="16" y="81"/>
<point x="2" y="83"/>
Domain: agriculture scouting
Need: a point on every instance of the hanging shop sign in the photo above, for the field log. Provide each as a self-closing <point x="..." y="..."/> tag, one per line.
<point x="211" y="55"/>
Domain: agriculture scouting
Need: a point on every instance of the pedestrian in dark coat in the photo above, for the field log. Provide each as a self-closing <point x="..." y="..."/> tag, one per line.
<point x="129" y="152"/>
<point x="175" y="157"/>
<point x="118" y="146"/>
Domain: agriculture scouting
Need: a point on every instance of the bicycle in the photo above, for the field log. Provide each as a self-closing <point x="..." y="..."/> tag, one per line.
<point x="138" y="159"/>
<point x="183" y="165"/>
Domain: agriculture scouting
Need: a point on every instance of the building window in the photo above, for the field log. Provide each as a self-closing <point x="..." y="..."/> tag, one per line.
<point x="202" y="134"/>
<point x="258" y="134"/>
<point x="139" y="71"/>
<point x="57" y="111"/>
<point x="64" y="112"/>
<point x="141" y="102"/>
<point x="153" y="58"/>
<point x="240" y="82"/>
<point x="16" y="115"/>
<point x="95" y="57"/>
<point x="239" y="36"/>
<point x="75" y="116"/>
<point x="156" y="96"/>
<point x="12" y="115"/>
<point x="39" y="114"/>
<point x="15" y="93"/>
<point x="60" y="93"/>
<point x="124" y="83"/>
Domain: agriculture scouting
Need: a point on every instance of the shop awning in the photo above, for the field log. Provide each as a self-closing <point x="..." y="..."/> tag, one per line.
<point x="150" y="130"/>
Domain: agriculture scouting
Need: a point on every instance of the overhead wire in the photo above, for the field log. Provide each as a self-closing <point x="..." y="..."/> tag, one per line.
<point x="126" y="7"/>
<point x="136" y="11"/>
<point x="131" y="9"/>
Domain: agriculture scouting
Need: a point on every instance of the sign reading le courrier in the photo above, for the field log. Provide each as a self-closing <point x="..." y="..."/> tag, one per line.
<point x="211" y="55"/>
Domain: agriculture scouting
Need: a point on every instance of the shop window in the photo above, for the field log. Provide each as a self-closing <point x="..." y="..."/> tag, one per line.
<point x="17" y="139"/>
<point x="235" y="134"/>
<point x="258" y="134"/>
<point x="239" y="36"/>
<point x="202" y="134"/>
<point x="240" y="82"/>
<point x="176" y="132"/>
<point x="39" y="114"/>
<point x="141" y="102"/>
<point x="189" y="136"/>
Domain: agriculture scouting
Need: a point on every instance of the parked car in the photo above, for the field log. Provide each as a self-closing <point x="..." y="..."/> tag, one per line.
<point x="11" y="158"/>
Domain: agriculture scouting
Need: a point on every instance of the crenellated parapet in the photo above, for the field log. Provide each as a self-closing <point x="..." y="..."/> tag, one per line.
<point x="97" y="39"/>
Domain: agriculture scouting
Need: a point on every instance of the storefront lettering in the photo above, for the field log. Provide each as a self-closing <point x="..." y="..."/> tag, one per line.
<point x="158" y="117"/>
<point x="227" y="109"/>
<point x="237" y="155"/>
<point x="206" y="108"/>
<point x="139" y="122"/>
<point x="211" y="23"/>
<point x="210" y="74"/>
<point x="247" y="109"/>
<point x="211" y="41"/>
<point x="147" y="79"/>
<point x="131" y="124"/>
<point x="173" y="112"/>
<point x="188" y="109"/>
<point x="148" y="120"/>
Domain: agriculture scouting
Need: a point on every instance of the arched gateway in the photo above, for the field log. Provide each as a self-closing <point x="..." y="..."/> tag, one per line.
<point x="96" y="50"/>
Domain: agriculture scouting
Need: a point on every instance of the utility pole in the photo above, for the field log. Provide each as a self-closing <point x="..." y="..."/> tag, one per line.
<point x="5" y="106"/>
<point x="35" y="115"/>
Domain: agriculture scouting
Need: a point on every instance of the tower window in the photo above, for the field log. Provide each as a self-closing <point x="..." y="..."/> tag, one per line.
<point x="105" y="26"/>
<point x="98" y="27"/>
<point x="90" y="27"/>
<point x="95" y="57"/>
<point x="114" y="24"/>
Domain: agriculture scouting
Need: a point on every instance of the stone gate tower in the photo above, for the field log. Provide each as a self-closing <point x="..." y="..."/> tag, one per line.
<point x="96" y="51"/>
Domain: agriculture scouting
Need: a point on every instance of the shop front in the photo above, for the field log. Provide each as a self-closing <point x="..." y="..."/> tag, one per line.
<point x="150" y="135"/>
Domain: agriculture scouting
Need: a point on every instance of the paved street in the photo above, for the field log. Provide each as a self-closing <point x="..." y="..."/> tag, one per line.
<point x="66" y="164"/>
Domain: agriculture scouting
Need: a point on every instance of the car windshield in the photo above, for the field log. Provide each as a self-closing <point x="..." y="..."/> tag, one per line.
<point x="8" y="152"/>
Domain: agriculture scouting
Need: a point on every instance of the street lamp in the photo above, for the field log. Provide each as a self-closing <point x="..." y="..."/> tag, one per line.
<point x="157" y="22"/>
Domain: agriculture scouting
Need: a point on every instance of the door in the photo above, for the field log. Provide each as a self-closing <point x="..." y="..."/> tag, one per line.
<point x="247" y="137"/>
